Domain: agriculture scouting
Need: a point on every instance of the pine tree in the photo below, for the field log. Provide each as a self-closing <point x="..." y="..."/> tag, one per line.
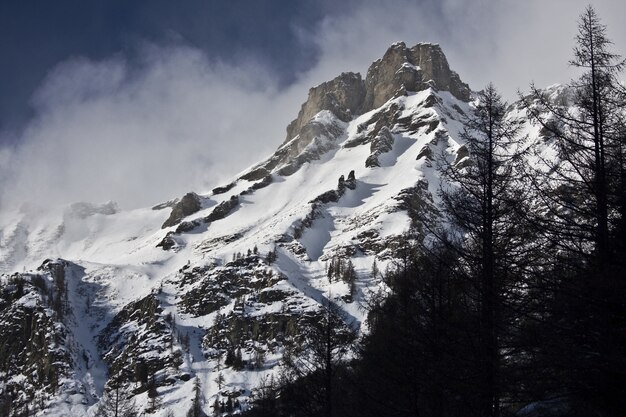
<point x="219" y="380"/>
<point x="481" y="201"/>
<point x="116" y="403"/>
<point x="196" y="405"/>
<point x="588" y="139"/>
<point x="229" y="405"/>
<point x="216" y="407"/>
<point x="375" y="273"/>
<point x="271" y="256"/>
<point x="349" y="276"/>
<point x="238" y="361"/>
<point x="583" y="329"/>
<point x="154" y="402"/>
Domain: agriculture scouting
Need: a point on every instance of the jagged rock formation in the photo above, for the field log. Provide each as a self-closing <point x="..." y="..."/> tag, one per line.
<point x="35" y="363"/>
<point x="322" y="117"/>
<point x="139" y="345"/>
<point x="189" y="204"/>
<point x="404" y="69"/>
<point x="222" y="210"/>
<point x="343" y="96"/>
<point x="400" y="70"/>
<point x="382" y="143"/>
<point x="319" y="135"/>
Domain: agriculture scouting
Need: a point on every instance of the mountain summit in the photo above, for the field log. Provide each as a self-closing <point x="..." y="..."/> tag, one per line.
<point x="401" y="69"/>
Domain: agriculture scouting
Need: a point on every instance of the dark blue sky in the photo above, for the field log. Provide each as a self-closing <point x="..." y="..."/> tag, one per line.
<point x="37" y="35"/>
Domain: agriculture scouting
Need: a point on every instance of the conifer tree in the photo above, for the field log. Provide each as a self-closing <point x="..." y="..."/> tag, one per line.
<point x="196" y="405"/>
<point x="583" y="329"/>
<point x="219" y="380"/>
<point x="481" y="200"/>
<point x="154" y="402"/>
<point x="116" y="403"/>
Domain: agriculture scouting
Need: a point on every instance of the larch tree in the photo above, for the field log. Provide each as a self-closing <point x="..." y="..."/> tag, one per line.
<point x="481" y="199"/>
<point x="583" y="187"/>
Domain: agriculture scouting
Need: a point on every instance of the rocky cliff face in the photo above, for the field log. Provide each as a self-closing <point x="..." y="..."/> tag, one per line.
<point x="330" y="105"/>
<point x="399" y="71"/>
<point x="404" y="69"/>
<point x="343" y="96"/>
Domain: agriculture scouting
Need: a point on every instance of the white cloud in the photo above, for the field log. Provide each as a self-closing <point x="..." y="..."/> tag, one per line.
<point x="105" y="130"/>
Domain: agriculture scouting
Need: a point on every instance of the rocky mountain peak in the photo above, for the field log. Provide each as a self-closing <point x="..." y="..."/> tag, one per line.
<point x="404" y="69"/>
<point x="401" y="69"/>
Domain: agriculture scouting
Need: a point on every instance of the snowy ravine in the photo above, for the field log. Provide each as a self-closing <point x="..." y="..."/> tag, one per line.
<point x="357" y="169"/>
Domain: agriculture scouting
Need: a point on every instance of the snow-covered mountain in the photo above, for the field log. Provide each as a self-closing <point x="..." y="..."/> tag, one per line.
<point x="223" y="283"/>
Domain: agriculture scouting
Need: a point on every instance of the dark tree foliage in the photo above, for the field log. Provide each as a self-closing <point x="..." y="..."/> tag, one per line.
<point x="154" y="400"/>
<point x="415" y="361"/>
<point x="272" y="256"/>
<point x="581" y="322"/>
<point x="196" y="405"/>
<point x="482" y="201"/>
<point x="316" y="361"/>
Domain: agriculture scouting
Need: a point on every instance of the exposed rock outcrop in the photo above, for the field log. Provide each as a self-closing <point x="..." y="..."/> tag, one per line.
<point x="351" y="181"/>
<point x="223" y="209"/>
<point x="35" y="359"/>
<point x="225" y="188"/>
<point x="315" y="138"/>
<point x="139" y="342"/>
<point x="317" y="204"/>
<point x="381" y="144"/>
<point x="343" y="96"/>
<point x="400" y="70"/>
<point x="187" y="205"/>
<point x="404" y="69"/>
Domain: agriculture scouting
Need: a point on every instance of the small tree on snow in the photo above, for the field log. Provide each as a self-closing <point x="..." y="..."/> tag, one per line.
<point x="196" y="405"/>
<point x="271" y="256"/>
<point x="116" y="403"/>
<point x="219" y="380"/>
<point x="375" y="271"/>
